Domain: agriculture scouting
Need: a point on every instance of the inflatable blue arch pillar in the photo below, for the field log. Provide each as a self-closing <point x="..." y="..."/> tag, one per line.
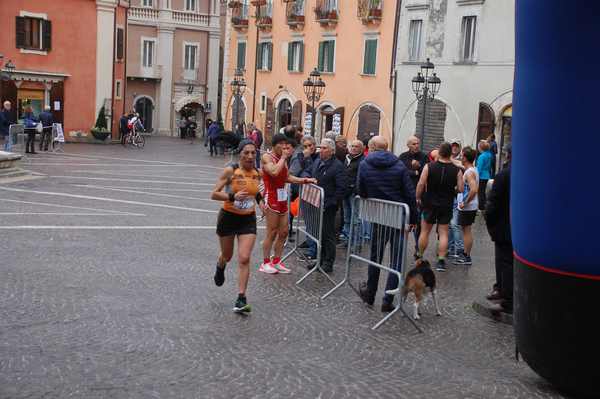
<point x="555" y="191"/>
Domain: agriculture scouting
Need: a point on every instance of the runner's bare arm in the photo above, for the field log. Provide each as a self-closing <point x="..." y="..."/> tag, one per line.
<point x="301" y="180"/>
<point x="422" y="183"/>
<point x="270" y="167"/>
<point x="473" y="188"/>
<point x="460" y="181"/>
<point x="218" y="194"/>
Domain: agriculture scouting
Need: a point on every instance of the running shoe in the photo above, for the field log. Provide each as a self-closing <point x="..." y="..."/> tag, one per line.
<point x="219" y="275"/>
<point x="463" y="260"/>
<point x="268" y="268"/>
<point x="441" y="265"/>
<point x="280" y="267"/>
<point x="241" y="306"/>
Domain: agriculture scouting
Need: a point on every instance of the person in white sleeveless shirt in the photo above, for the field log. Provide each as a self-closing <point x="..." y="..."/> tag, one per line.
<point x="468" y="204"/>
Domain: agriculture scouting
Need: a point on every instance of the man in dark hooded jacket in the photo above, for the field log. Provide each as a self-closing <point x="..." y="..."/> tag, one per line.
<point x="383" y="176"/>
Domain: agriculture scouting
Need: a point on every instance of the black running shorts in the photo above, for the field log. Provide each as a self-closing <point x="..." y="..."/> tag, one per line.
<point x="231" y="224"/>
<point x="466" y="218"/>
<point x="437" y="215"/>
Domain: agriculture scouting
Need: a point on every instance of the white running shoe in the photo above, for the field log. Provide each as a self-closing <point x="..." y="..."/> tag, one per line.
<point x="267" y="268"/>
<point x="281" y="268"/>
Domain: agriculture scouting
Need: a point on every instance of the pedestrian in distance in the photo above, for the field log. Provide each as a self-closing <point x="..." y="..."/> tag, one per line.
<point x="435" y="195"/>
<point x="484" y="168"/>
<point x="30" y="122"/>
<point x="455" y="237"/>
<point x="238" y="188"/>
<point x="494" y="150"/>
<point x="415" y="160"/>
<point x="382" y="175"/>
<point x="46" y="120"/>
<point x="213" y="133"/>
<point x="123" y="128"/>
<point x="257" y="137"/>
<point x="497" y="218"/>
<point x="275" y="176"/>
<point x="7" y="118"/>
<point x="467" y="204"/>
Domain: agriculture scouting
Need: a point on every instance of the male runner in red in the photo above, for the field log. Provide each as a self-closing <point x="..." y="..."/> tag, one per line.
<point x="275" y="176"/>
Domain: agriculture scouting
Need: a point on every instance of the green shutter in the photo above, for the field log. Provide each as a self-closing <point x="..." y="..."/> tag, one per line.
<point x="331" y="55"/>
<point x="321" y="55"/>
<point x="301" y="55"/>
<point x="290" y="56"/>
<point x="259" y="56"/>
<point x="270" y="50"/>
<point x="370" y="60"/>
<point x="241" y="55"/>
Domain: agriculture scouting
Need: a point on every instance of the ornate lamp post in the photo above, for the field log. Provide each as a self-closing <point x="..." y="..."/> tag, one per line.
<point x="314" y="87"/>
<point x="425" y="88"/>
<point x="238" y="86"/>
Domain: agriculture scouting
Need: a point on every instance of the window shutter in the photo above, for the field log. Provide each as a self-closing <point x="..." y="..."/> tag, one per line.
<point x="20" y="32"/>
<point x="290" y="60"/>
<point x="241" y="55"/>
<point x="120" y="48"/>
<point x="330" y="55"/>
<point x="46" y="35"/>
<point x="259" y="56"/>
<point x="301" y="56"/>
<point x="370" y="57"/>
<point x="321" y="55"/>
<point x="366" y="58"/>
<point x="270" y="50"/>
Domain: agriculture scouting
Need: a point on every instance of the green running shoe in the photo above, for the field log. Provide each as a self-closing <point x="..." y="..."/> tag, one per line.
<point x="241" y="306"/>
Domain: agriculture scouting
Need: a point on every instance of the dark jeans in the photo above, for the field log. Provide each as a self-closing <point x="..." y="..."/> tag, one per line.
<point x="30" y="140"/>
<point x="504" y="272"/>
<point x="481" y="194"/>
<point x="380" y="237"/>
<point x="213" y="146"/>
<point x="45" y="138"/>
<point x="328" y="236"/>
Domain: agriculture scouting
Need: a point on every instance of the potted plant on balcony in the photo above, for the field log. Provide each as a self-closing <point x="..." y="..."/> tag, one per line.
<point x="375" y="9"/>
<point x="332" y="15"/>
<point x="235" y="4"/>
<point x="258" y="3"/>
<point x="100" y="131"/>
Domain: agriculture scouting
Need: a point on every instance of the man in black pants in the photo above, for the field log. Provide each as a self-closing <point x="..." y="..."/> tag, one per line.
<point x="382" y="175"/>
<point x="46" y="119"/>
<point x="331" y="176"/>
<point x="497" y="217"/>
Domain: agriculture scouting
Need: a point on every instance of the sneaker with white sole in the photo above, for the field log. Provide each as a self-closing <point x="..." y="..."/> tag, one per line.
<point x="267" y="268"/>
<point x="280" y="267"/>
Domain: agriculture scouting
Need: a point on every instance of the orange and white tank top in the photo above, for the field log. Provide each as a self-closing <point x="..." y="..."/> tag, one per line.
<point x="248" y="180"/>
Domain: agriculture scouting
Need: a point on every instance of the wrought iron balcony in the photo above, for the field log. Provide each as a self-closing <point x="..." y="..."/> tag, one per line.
<point x="264" y="14"/>
<point x="239" y="15"/>
<point x="326" y="11"/>
<point x="370" y="10"/>
<point x="294" y="13"/>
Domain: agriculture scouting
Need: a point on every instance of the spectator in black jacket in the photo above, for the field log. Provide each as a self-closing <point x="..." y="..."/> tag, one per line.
<point x="331" y="176"/>
<point x="47" y="120"/>
<point x="497" y="217"/>
<point x="123" y="127"/>
<point x="414" y="159"/>
<point x="383" y="176"/>
<point x="353" y="160"/>
<point x="7" y="118"/>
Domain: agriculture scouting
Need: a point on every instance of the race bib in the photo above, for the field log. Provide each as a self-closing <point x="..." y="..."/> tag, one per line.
<point x="282" y="194"/>
<point x="243" y="204"/>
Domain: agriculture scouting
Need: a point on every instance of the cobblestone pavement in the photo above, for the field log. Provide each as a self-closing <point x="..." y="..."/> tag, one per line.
<point x="95" y="305"/>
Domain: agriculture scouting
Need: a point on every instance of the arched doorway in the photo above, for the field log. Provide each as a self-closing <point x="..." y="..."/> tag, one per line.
<point x="195" y="112"/>
<point x="326" y="113"/>
<point x="505" y="134"/>
<point x="485" y="122"/>
<point x="284" y="113"/>
<point x="145" y="108"/>
<point x="239" y="109"/>
<point x="369" y="118"/>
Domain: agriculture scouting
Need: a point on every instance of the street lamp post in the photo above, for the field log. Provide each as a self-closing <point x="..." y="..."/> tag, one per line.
<point x="314" y="87"/>
<point x="238" y="85"/>
<point x="425" y="87"/>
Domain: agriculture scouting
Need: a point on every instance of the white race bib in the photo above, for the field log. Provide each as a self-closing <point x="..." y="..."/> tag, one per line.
<point x="243" y="204"/>
<point x="282" y="194"/>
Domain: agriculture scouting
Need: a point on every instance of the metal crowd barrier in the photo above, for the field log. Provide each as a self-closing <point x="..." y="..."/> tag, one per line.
<point x="310" y="224"/>
<point x="58" y="138"/>
<point x="16" y="137"/>
<point x="389" y="221"/>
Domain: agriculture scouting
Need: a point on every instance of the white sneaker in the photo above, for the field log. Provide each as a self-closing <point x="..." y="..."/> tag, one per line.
<point x="267" y="268"/>
<point x="280" y="267"/>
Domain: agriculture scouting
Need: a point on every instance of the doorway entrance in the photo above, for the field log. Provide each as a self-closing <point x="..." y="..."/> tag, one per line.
<point x="284" y="114"/>
<point x="505" y="134"/>
<point x="195" y="112"/>
<point x="145" y="108"/>
<point x="326" y="120"/>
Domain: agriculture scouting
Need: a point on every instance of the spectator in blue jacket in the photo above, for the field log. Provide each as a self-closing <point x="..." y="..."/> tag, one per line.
<point x="382" y="175"/>
<point x="484" y="168"/>
<point x="30" y="122"/>
<point x="46" y="136"/>
<point x="213" y="132"/>
<point x="331" y="176"/>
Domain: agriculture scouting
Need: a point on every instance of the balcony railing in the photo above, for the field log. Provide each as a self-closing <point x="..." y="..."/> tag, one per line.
<point x="370" y="10"/>
<point x="264" y="14"/>
<point x="326" y="11"/>
<point x="294" y="12"/>
<point x="151" y="72"/>
<point x="239" y="16"/>
<point x="151" y="15"/>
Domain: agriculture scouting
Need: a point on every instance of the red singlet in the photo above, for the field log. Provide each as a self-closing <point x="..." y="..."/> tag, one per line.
<point x="276" y="195"/>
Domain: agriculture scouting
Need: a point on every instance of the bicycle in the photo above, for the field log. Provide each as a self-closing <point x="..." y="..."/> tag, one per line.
<point x="134" y="137"/>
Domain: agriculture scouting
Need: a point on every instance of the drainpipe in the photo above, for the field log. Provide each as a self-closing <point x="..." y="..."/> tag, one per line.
<point x="393" y="71"/>
<point x="112" y="100"/>
<point x="255" y="66"/>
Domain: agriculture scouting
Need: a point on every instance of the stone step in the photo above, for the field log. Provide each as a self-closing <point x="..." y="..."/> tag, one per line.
<point x="9" y="173"/>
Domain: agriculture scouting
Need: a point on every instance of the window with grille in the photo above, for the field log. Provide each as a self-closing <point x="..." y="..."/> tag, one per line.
<point x="148" y="53"/>
<point x="295" y="56"/>
<point x="33" y="33"/>
<point x="120" y="43"/>
<point x="190" y="5"/>
<point x="467" y="38"/>
<point x="241" y="55"/>
<point x="326" y="56"/>
<point x="414" y="40"/>
<point x="265" y="56"/>
<point x="190" y="57"/>
<point x="147" y="3"/>
<point x="370" y="57"/>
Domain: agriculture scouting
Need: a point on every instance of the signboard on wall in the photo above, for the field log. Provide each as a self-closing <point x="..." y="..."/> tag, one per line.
<point x="308" y="122"/>
<point x="336" y="125"/>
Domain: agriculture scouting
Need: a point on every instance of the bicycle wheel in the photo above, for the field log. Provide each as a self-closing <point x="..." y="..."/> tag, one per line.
<point x="139" y="141"/>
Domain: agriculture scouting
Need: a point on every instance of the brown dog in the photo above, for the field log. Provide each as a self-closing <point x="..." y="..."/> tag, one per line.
<point x="416" y="281"/>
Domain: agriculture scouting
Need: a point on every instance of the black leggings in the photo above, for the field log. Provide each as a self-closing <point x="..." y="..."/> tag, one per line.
<point x="30" y="140"/>
<point x="481" y="194"/>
